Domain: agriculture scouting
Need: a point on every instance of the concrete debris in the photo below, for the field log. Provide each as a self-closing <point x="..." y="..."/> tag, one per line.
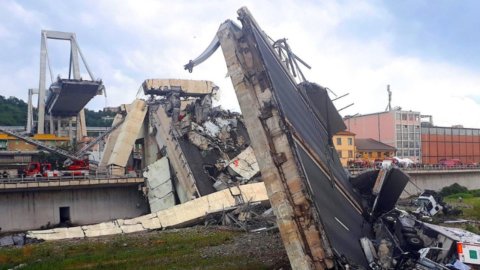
<point x="250" y="217"/>
<point x="160" y="186"/>
<point x="245" y="164"/>
<point x="200" y="141"/>
<point x="19" y="239"/>
<point x="158" y="86"/>
<point x="189" y="213"/>
<point x="211" y="129"/>
<point x="6" y="241"/>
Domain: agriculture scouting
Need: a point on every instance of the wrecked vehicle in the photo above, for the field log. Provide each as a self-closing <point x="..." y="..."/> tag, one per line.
<point x="429" y="203"/>
<point x="327" y="220"/>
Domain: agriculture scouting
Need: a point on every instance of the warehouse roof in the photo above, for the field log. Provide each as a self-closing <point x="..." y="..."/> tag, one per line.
<point x="370" y="144"/>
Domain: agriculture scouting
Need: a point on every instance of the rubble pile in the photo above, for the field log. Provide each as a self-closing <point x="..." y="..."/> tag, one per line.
<point x="251" y="217"/>
<point x="214" y="141"/>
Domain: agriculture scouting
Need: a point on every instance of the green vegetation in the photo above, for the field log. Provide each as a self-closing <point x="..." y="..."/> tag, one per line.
<point x="13" y="112"/>
<point x="453" y="189"/>
<point x="99" y="118"/>
<point x="155" y="250"/>
<point x="467" y="200"/>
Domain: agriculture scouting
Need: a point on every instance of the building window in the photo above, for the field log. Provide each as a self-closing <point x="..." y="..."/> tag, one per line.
<point x="339" y="141"/>
<point x="387" y="154"/>
<point x="350" y="154"/>
<point x="339" y="152"/>
<point x="3" y="145"/>
<point x="379" y="154"/>
<point x="350" y="141"/>
<point x="369" y="154"/>
<point x="404" y="116"/>
<point x="397" y="116"/>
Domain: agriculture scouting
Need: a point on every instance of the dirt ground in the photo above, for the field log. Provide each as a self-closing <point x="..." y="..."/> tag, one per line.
<point x="266" y="247"/>
<point x="200" y="247"/>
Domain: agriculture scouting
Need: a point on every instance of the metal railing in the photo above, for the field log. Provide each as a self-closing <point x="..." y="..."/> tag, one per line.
<point x="420" y="168"/>
<point x="35" y="179"/>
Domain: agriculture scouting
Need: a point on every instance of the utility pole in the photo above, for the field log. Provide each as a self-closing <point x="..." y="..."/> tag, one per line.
<point x="389" y="106"/>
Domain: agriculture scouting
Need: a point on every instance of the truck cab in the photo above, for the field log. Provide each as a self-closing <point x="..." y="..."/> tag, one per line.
<point x="429" y="203"/>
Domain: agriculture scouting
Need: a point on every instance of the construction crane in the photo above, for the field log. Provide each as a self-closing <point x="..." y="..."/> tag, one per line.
<point x="70" y="157"/>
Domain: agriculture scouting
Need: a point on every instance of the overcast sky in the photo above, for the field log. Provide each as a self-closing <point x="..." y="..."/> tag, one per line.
<point x="428" y="51"/>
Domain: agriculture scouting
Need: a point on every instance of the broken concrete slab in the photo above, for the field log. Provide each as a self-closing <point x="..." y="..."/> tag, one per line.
<point x="132" y="228"/>
<point x="57" y="233"/>
<point x="112" y="138"/>
<point x="104" y="228"/>
<point x="245" y="164"/>
<point x="129" y="131"/>
<point x="192" y="211"/>
<point x="150" y="222"/>
<point x="198" y="140"/>
<point x="160" y="186"/>
<point x="187" y="86"/>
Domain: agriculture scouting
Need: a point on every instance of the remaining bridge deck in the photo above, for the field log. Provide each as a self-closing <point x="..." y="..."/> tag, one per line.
<point x="69" y="97"/>
<point x="47" y="183"/>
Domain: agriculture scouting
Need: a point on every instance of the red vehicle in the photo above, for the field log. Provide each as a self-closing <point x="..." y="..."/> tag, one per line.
<point x="37" y="169"/>
<point x="76" y="168"/>
<point x="450" y="163"/>
<point x="358" y="163"/>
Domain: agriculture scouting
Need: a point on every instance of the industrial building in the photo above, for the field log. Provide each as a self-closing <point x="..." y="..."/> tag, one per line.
<point x="425" y="144"/>
<point x="450" y="143"/>
<point x="397" y="128"/>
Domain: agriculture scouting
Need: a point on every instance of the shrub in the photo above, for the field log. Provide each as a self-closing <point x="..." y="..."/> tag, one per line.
<point x="475" y="192"/>
<point x="453" y="189"/>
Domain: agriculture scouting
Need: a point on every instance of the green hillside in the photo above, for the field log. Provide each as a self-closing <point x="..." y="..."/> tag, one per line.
<point x="13" y="112"/>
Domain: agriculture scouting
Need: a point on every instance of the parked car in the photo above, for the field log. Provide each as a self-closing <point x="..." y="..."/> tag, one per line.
<point x="450" y="163"/>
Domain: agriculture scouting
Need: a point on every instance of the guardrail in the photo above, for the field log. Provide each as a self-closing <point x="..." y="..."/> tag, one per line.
<point x="21" y="179"/>
<point x="422" y="168"/>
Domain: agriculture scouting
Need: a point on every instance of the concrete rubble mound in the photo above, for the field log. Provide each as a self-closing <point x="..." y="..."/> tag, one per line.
<point x="207" y="147"/>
